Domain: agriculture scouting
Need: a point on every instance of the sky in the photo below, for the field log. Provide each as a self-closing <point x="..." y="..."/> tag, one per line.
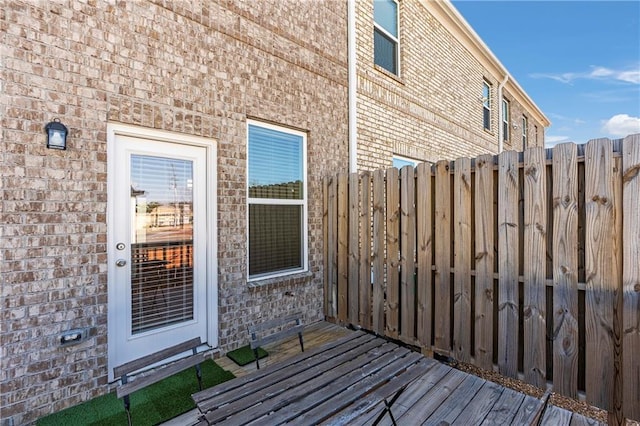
<point x="578" y="60"/>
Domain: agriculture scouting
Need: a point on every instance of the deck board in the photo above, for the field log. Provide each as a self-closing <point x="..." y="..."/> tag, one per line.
<point x="344" y="378"/>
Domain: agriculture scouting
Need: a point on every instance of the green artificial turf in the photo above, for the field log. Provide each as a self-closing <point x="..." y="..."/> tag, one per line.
<point x="244" y="355"/>
<point x="149" y="406"/>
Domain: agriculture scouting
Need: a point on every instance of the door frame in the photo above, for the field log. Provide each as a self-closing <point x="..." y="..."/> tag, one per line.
<point x="114" y="130"/>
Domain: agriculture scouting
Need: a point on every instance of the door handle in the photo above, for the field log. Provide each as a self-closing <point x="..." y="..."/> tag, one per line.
<point x="121" y="262"/>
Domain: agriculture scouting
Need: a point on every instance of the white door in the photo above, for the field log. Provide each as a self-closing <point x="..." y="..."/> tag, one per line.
<point x="158" y="237"/>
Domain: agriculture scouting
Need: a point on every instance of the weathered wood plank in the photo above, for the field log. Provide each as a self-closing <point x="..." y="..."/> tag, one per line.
<point x="424" y="254"/>
<point x="343" y="246"/>
<point x="462" y="260"/>
<point x="378" y="251"/>
<point x="365" y="252"/>
<point x="556" y="416"/>
<point x="616" y="415"/>
<point x="505" y="408"/>
<point x="527" y="411"/>
<point x="601" y="270"/>
<point x="326" y="251"/>
<point x="480" y="405"/>
<point x="484" y="261"/>
<point x="508" y="249"/>
<point x="631" y="276"/>
<point x="457" y="402"/>
<point x="535" y="243"/>
<point x="434" y="397"/>
<point x="442" y="322"/>
<point x="407" y="255"/>
<point x="393" y="253"/>
<point x="565" y="270"/>
<point x="354" y="248"/>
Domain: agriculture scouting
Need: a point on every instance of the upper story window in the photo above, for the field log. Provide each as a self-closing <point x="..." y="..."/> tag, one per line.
<point x="385" y="34"/>
<point x="486" y="105"/>
<point x="525" y="130"/>
<point x="277" y="200"/>
<point x="505" y="120"/>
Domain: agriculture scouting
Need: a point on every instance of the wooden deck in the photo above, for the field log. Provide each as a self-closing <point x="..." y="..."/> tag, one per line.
<point x="344" y="377"/>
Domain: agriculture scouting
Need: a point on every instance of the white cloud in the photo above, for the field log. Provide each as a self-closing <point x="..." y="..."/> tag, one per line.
<point x="596" y="73"/>
<point x="622" y="125"/>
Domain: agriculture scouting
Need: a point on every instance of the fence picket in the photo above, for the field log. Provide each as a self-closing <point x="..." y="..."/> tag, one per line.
<point x="535" y="237"/>
<point x="631" y="276"/>
<point x="484" y="260"/>
<point x="393" y="253"/>
<point x="407" y="255"/>
<point x="462" y="260"/>
<point x="354" y="248"/>
<point x="343" y="246"/>
<point x="508" y="243"/>
<point x="377" y="254"/>
<point x="424" y="254"/>
<point x="565" y="270"/>
<point x="442" y="323"/>
<point x="365" y="252"/>
<point x="601" y="271"/>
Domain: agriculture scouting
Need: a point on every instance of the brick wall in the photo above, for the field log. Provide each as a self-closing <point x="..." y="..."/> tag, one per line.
<point x="432" y="110"/>
<point x="199" y="69"/>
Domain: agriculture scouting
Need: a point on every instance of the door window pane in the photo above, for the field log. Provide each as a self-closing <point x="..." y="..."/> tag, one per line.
<point x="161" y="242"/>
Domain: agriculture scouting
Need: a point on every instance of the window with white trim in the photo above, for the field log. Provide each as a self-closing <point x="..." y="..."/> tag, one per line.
<point x="525" y="130"/>
<point x="277" y="200"/>
<point x="505" y="120"/>
<point x="486" y="105"/>
<point x="385" y="35"/>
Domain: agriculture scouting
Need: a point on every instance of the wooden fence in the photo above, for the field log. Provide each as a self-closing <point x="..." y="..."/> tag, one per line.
<point x="525" y="262"/>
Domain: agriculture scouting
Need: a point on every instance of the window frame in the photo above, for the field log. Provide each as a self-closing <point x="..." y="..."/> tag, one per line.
<point x="275" y="201"/>
<point x="506" y="133"/>
<point x="383" y="31"/>
<point x="525" y="131"/>
<point x="486" y="105"/>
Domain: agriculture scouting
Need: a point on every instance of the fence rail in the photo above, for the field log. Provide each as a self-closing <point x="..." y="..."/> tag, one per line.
<point x="526" y="262"/>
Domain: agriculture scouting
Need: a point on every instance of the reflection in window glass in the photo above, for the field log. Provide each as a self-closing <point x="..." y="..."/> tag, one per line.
<point x="277" y="200"/>
<point x="385" y="34"/>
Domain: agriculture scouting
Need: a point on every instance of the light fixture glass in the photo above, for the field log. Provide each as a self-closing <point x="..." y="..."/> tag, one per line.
<point x="56" y="134"/>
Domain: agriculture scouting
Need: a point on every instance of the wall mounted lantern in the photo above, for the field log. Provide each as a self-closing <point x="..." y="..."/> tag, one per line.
<point x="56" y="134"/>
